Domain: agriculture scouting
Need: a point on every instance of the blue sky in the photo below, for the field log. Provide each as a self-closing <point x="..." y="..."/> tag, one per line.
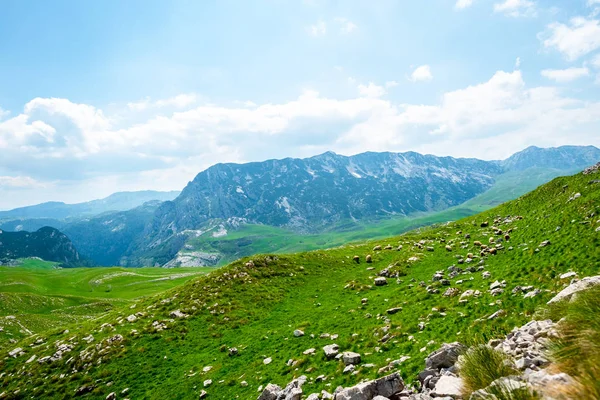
<point x="97" y="97"/>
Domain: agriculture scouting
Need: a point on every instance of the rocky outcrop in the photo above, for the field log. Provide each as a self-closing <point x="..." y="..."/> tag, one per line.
<point x="575" y="287"/>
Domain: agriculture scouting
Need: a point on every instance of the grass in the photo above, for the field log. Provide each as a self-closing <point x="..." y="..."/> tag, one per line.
<point x="481" y="365"/>
<point x="577" y="352"/>
<point x="38" y="295"/>
<point x="256" y="307"/>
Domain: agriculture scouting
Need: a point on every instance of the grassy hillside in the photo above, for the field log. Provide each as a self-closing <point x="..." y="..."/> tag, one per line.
<point x="38" y="295"/>
<point x="252" y="239"/>
<point x="255" y="307"/>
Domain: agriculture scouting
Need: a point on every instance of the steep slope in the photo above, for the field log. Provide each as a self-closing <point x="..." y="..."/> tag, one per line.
<point x="120" y="201"/>
<point x="46" y="243"/>
<point x="232" y="332"/>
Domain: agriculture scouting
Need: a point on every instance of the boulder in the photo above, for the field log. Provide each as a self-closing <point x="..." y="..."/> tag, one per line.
<point x="298" y="333"/>
<point x="387" y="386"/>
<point x="448" y="385"/>
<point x="445" y="356"/>
<point x="351" y="358"/>
<point x="331" y="350"/>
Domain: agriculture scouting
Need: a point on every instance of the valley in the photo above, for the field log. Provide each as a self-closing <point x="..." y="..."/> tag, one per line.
<point x="230" y="333"/>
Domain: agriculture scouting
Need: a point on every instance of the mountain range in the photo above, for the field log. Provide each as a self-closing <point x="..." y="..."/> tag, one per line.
<point x="302" y="197"/>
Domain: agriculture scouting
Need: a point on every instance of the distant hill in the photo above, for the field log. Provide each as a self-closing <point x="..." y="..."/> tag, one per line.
<point x="46" y="243"/>
<point x="120" y="201"/>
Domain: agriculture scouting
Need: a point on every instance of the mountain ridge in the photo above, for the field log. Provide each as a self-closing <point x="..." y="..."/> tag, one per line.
<point x="118" y="201"/>
<point x="311" y="195"/>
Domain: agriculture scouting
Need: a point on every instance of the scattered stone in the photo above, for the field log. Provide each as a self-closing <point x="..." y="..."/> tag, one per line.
<point x="331" y="351"/>
<point x="497" y="314"/>
<point x="351" y="358"/>
<point x="177" y="314"/>
<point x="568" y="275"/>
<point x="451" y="292"/>
<point x="380" y="281"/>
<point x="394" y="310"/>
<point x="267" y="361"/>
<point x="16" y="352"/>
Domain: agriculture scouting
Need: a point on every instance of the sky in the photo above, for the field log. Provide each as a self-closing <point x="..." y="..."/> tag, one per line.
<point x="104" y="96"/>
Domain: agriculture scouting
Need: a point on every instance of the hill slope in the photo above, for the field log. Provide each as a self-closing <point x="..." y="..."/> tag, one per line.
<point x="235" y="327"/>
<point x="46" y="243"/>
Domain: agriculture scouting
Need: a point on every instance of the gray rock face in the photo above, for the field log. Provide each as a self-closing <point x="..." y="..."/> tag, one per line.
<point x="575" y="287"/>
<point x="445" y="357"/>
<point x="387" y="386"/>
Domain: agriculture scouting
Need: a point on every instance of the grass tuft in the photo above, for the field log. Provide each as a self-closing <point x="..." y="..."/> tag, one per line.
<point x="481" y="365"/>
<point x="577" y="350"/>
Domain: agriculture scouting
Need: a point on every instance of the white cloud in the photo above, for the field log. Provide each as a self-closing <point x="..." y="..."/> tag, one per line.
<point x="593" y="2"/>
<point x="19" y="182"/>
<point x="371" y="90"/>
<point x="565" y="75"/>
<point x="79" y="146"/>
<point x="179" y="101"/>
<point x="578" y="38"/>
<point x="346" y="26"/>
<point x="518" y="63"/>
<point x="318" y="29"/>
<point x="516" y="8"/>
<point x="422" y="73"/>
<point x="391" y="84"/>
<point x="460" y="4"/>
